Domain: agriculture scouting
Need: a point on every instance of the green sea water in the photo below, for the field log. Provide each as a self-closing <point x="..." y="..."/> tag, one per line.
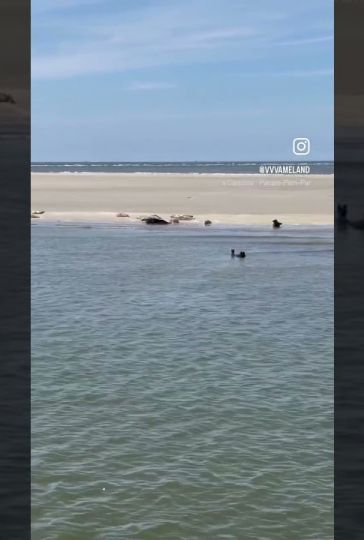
<point x="179" y="394"/>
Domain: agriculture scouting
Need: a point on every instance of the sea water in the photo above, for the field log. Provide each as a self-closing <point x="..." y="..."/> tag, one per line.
<point x="176" y="167"/>
<point x="179" y="393"/>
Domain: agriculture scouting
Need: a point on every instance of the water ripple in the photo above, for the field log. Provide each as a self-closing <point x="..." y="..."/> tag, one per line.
<point x="180" y="394"/>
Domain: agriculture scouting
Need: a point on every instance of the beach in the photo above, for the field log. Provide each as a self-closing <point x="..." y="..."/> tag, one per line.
<point x="223" y="198"/>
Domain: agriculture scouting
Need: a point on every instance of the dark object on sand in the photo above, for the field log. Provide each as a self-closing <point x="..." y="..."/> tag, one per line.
<point x="208" y="222"/>
<point x="122" y="214"/>
<point x="38" y="212"/>
<point x="174" y="220"/>
<point x="34" y="216"/>
<point x="155" y="220"/>
<point x="276" y="224"/>
<point x="6" y="98"/>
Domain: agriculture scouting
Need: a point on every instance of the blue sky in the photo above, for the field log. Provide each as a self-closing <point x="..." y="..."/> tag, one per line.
<point x="173" y="80"/>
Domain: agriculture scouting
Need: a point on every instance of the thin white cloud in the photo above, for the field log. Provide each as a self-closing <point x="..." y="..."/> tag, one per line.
<point x="164" y="34"/>
<point x="150" y="85"/>
<point x="142" y="37"/>
<point x="288" y="74"/>
<point x="306" y="41"/>
<point x="115" y="52"/>
<point x="311" y="73"/>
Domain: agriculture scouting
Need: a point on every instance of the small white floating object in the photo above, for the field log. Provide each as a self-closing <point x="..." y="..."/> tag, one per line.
<point x="103" y="489"/>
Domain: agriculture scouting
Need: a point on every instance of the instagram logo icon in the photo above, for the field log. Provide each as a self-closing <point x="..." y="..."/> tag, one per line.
<point x="301" y="146"/>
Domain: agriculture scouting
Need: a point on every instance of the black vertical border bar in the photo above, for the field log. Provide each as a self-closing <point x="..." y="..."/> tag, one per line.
<point x="349" y="270"/>
<point x="15" y="269"/>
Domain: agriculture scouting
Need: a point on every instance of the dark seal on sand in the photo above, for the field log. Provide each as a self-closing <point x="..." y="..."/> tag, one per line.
<point x="155" y="220"/>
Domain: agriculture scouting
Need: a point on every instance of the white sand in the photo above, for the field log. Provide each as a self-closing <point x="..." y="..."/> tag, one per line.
<point x="225" y="199"/>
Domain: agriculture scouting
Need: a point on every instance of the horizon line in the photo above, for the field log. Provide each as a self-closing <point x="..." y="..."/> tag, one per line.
<point x="190" y="161"/>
